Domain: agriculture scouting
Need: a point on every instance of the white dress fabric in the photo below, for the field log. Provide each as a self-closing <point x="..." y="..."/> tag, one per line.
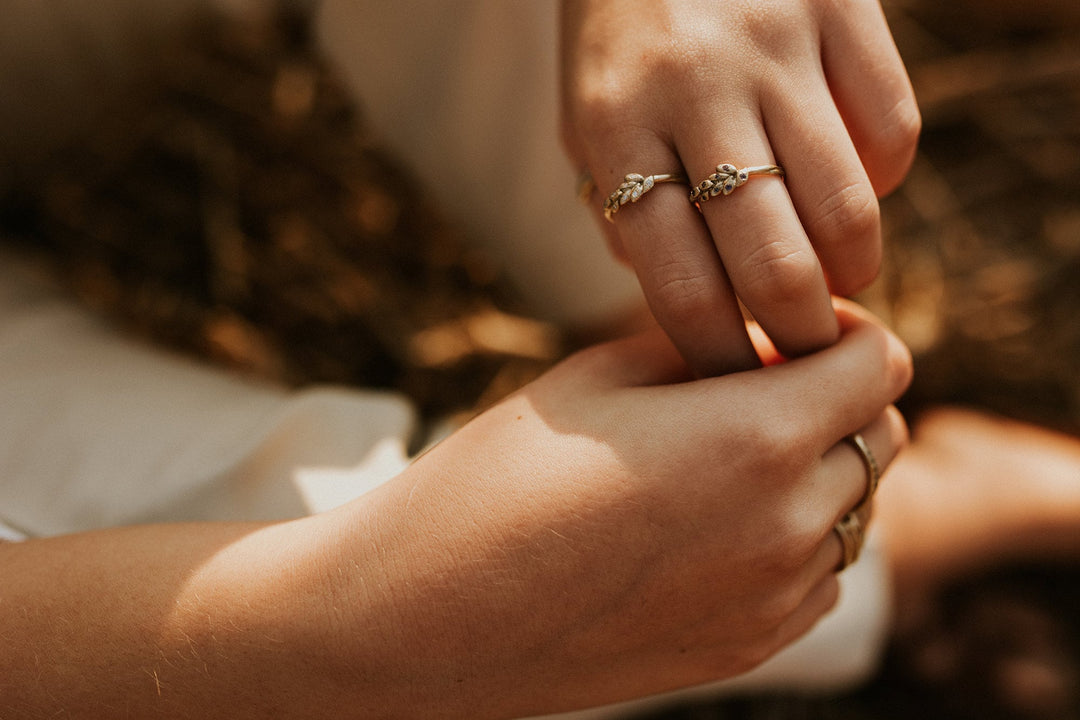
<point x="466" y="93"/>
<point x="97" y="430"/>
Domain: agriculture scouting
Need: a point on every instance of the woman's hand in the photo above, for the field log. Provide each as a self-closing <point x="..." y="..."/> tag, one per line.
<point x="815" y="86"/>
<point x="614" y="529"/>
<point x="610" y="531"/>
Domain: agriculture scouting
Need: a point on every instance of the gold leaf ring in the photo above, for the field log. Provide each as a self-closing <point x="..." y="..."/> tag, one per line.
<point x="633" y="188"/>
<point x="726" y="178"/>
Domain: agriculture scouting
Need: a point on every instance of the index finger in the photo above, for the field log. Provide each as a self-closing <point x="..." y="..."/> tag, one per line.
<point x="681" y="275"/>
<point x="836" y="391"/>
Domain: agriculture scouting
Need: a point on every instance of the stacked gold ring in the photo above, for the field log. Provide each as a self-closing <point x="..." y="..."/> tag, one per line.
<point x="852" y="527"/>
<point x="852" y="534"/>
<point x="873" y="471"/>
<point x="634" y="185"/>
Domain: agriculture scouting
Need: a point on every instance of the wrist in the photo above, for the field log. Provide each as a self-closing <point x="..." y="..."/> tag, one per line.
<point x="401" y="634"/>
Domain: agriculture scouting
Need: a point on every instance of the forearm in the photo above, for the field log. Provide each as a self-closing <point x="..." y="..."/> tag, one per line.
<point x="590" y="539"/>
<point x="364" y="612"/>
<point x="215" y="620"/>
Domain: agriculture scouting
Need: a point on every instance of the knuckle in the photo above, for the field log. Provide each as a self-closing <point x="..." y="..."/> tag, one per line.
<point x="782" y="451"/>
<point x="777" y="274"/>
<point x="762" y="436"/>
<point x="901" y="127"/>
<point x="785" y="439"/>
<point x="889" y="359"/>
<point x="793" y="539"/>
<point x="775" y="608"/>
<point x="605" y="101"/>
<point x="850" y="212"/>
<point x="601" y="108"/>
<point x="803" y="533"/>
<point x="850" y="217"/>
<point x="896" y="139"/>
<point x="778" y="34"/>
<point x="682" y="296"/>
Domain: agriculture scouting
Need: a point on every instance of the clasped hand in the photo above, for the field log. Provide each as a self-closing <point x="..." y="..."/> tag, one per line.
<point x="617" y="528"/>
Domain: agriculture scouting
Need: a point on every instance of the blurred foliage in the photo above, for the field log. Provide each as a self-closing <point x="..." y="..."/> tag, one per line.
<point x="983" y="240"/>
<point x="232" y="205"/>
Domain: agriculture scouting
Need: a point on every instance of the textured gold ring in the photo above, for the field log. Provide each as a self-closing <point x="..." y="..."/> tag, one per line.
<point x="728" y="177"/>
<point x="873" y="470"/>
<point x="852" y="534"/>
<point x="633" y="188"/>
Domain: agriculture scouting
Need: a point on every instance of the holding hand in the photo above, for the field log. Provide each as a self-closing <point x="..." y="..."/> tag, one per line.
<point x="612" y="530"/>
<point x="616" y="529"/>
<point x="679" y="88"/>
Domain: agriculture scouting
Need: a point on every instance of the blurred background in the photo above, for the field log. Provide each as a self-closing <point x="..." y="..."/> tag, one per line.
<point x="202" y="173"/>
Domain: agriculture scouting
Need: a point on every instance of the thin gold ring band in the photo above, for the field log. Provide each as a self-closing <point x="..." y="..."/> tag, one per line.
<point x="852" y="534"/>
<point x="852" y="527"/>
<point x="873" y="470"/>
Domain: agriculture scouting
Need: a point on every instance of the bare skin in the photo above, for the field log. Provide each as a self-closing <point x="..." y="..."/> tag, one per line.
<point x="816" y="86"/>
<point x="612" y="530"/>
<point x="974" y="490"/>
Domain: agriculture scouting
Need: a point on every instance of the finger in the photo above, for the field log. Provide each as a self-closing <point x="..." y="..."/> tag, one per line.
<point x="680" y="274"/>
<point x="847" y="538"/>
<point x="834" y="392"/>
<point x="757" y="233"/>
<point x="826" y="180"/>
<point x="687" y="287"/>
<point x="819" y="600"/>
<point x="885" y="438"/>
<point x="871" y="89"/>
<point x="841" y="483"/>
<point x="845" y="480"/>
